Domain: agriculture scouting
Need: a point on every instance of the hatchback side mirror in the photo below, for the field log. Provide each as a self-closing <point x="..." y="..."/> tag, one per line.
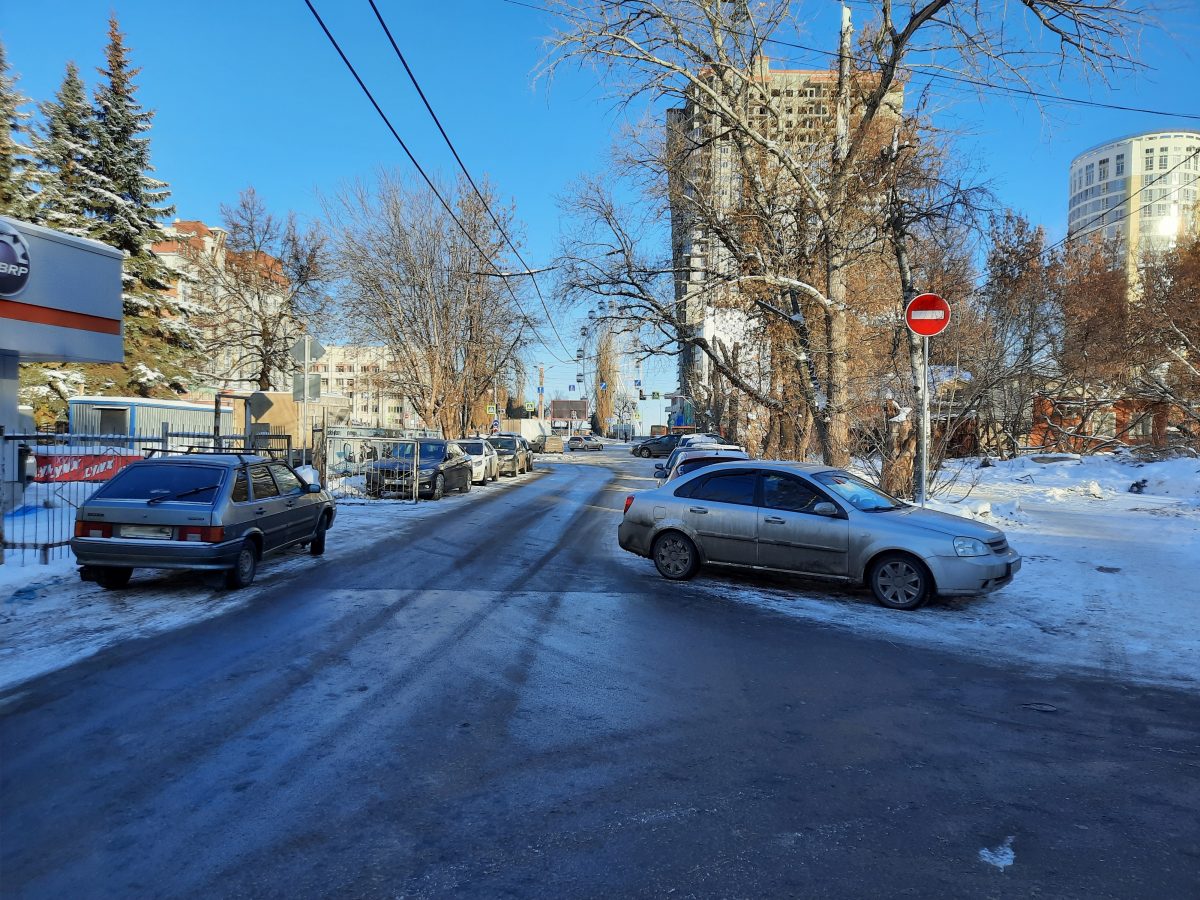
<point x="825" y="508"/>
<point x="660" y="471"/>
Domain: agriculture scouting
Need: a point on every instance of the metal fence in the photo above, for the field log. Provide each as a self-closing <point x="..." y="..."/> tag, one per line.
<point x="48" y="476"/>
<point x="370" y="468"/>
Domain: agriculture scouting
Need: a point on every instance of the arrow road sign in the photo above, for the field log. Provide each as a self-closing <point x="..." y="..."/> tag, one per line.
<point x="927" y="315"/>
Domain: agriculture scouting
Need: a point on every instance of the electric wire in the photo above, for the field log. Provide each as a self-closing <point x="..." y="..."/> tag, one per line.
<point x="913" y="67"/>
<point x="417" y="165"/>
<point x="461" y="165"/>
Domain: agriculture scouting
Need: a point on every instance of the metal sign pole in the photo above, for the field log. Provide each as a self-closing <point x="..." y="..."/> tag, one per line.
<point x="306" y="452"/>
<point x="924" y="484"/>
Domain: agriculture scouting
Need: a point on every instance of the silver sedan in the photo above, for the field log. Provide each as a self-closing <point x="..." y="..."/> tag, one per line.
<point x="814" y="520"/>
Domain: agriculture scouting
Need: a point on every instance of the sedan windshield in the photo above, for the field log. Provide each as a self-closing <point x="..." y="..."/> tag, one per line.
<point x="503" y="443"/>
<point x="475" y="448"/>
<point x="858" y="493"/>
<point x="154" y="483"/>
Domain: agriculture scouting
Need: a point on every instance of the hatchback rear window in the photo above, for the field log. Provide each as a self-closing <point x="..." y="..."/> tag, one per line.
<point x="190" y="484"/>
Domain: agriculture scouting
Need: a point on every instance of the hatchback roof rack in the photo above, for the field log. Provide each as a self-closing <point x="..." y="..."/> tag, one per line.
<point x="242" y="455"/>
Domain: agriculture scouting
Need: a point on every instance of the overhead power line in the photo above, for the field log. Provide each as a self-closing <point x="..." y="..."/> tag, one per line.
<point x="914" y="67"/>
<point x="417" y="165"/>
<point x="478" y="193"/>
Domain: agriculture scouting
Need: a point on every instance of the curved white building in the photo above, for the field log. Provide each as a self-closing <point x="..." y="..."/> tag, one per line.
<point x="1140" y="188"/>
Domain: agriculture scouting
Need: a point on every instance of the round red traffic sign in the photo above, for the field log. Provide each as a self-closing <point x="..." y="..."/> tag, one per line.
<point x="927" y="315"/>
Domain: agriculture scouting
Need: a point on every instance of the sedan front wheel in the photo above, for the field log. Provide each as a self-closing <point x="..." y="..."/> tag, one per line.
<point x="899" y="581"/>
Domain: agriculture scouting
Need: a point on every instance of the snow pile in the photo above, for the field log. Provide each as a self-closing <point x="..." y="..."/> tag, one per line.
<point x="1000" y="514"/>
<point x="1063" y="475"/>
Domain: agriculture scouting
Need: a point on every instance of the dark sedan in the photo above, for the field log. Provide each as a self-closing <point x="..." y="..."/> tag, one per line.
<point x="441" y="466"/>
<point x="659" y="446"/>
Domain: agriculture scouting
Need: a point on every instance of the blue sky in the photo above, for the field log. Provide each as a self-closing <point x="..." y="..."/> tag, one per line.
<point x="250" y="93"/>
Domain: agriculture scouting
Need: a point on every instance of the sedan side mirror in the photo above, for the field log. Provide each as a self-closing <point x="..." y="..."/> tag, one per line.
<point x="825" y="508"/>
<point x="660" y="471"/>
<point x="314" y="487"/>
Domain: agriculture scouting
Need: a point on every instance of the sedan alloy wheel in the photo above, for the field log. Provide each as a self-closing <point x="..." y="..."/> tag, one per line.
<point x="899" y="582"/>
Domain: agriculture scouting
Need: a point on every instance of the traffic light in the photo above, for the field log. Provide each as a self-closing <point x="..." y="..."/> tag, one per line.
<point x="641" y="395"/>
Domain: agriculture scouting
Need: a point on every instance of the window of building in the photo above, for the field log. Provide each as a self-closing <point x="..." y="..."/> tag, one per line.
<point x="1089" y="173"/>
<point x="1104" y="170"/>
<point x="1120" y="166"/>
<point x="1149" y="158"/>
<point x="1162" y="160"/>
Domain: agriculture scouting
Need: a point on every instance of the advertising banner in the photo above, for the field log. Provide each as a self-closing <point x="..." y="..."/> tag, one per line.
<point x="59" y="467"/>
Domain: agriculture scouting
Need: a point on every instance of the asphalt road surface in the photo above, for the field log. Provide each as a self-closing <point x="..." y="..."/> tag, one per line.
<point x="498" y="702"/>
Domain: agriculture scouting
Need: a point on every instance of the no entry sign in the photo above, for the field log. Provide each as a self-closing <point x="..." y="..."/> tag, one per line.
<point x="927" y="315"/>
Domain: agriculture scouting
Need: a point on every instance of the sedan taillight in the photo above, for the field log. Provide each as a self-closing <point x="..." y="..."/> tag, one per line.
<point x="86" y="529"/>
<point x="208" y="534"/>
<point x="628" y="503"/>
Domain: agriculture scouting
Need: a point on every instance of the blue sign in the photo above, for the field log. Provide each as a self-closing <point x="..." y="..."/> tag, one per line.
<point x="637" y="382"/>
<point x="570" y="387"/>
<point x="541" y="390"/>
<point x="604" y="385"/>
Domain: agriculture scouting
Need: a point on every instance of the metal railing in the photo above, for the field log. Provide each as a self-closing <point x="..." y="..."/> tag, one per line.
<point x="370" y="468"/>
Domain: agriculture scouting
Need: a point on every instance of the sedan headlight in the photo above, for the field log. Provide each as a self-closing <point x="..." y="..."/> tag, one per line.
<point x="965" y="546"/>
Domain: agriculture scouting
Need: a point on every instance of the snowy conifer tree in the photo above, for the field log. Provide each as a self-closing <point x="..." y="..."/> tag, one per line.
<point x="14" y="154"/>
<point x="64" y="174"/>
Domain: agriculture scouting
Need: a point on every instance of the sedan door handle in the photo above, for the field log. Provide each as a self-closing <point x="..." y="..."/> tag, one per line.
<point x="261" y="511"/>
<point x="700" y="510"/>
<point x="774" y="520"/>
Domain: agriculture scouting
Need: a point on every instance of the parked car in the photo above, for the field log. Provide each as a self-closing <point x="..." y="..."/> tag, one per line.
<point x="513" y="450"/>
<point x="206" y="511"/>
<point x="818" y="521"/>
<point x="584" y="442"/>
<point x="684" y="460"/>
<point x="553" y="444"/>
<point x="537" y="443"/>
<point x="702" y="437"/>
<point x="659" y="446"/>
<point x="441" y="466"/>
<point x="485" y="464"/>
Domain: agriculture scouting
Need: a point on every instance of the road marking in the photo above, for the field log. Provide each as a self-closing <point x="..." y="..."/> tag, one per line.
<point x="1001" y="857"/>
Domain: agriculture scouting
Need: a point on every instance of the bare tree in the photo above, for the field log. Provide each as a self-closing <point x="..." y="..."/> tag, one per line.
<point x="260" y="280"/>
<point x="415" y="282"/>
<point x="805" y="210"/>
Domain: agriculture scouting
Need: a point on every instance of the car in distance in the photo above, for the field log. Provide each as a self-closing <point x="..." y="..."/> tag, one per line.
<point x="683" y="451"/>
<point x="205" y="511"/>
<point x="657" y="446"/>
<point x="513" y="450"/>
<point x="485" y="464"/>
<point x="584" y="442"/>
<point x="682" y="461"/>
<point x="440" y="466"/>
<point x="814" y="520"/>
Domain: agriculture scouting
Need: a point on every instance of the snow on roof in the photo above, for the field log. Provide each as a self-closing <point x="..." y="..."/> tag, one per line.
<point x="149" y="401"/>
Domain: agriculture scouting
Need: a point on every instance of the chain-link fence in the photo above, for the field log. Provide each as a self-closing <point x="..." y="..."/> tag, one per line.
<point x="370" y="468"/>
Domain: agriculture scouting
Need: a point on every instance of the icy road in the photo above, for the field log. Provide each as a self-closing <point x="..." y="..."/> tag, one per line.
<point x="491" y="699"/>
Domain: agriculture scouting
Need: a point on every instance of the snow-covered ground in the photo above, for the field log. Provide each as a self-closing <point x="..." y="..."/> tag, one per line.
<point x="1106" y="587"/>
<point x="50" y="619"/>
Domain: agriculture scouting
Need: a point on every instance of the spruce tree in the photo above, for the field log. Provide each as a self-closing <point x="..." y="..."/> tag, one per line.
<point x="64" y="174"/>
<point x="14" y="159"/>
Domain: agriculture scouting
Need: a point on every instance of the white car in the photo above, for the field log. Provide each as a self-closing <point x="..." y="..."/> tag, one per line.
<point x="688" y="459"/>
<point x="485" y="463"/>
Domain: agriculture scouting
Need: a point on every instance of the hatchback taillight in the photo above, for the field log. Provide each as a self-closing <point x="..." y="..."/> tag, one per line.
<point x="208" y="534"/>
<point x="85" y="529"/>
<point x="628" y="503"/>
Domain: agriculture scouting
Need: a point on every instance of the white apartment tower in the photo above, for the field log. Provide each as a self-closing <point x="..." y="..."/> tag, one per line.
<point x="1140" y="189"/>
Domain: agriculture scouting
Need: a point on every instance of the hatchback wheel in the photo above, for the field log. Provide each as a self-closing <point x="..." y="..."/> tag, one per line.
<point x="242" y="573"/>
<point x="317" y="546"/>
<point x="113" y="578"/>
<point x="644" y="453"/>
<point x="899" y="581"/>
<point x="675" y="556"/>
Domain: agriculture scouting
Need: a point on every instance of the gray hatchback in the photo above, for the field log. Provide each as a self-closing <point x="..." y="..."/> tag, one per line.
<point x="815" y="520"/>
<point x="206" y="511"/>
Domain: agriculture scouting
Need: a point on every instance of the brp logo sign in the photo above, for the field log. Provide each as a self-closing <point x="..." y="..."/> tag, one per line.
<point x="14" y="261"/>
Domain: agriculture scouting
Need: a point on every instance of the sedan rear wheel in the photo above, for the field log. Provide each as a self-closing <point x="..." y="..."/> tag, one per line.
<point x="899" y="581"/>
<point x="242" y="573"/>
<point x="675" y="556"/>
